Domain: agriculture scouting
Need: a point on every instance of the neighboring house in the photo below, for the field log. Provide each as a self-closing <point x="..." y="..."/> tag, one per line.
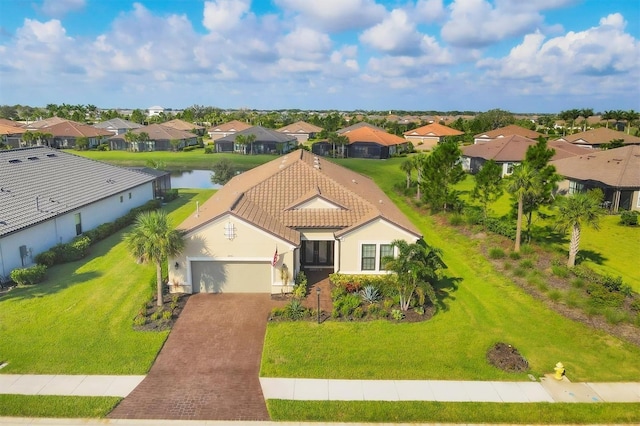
<point x="154" y="111"/>
<point x="117" y="126"/>
<point x="510" y="151"/>
<point x="368" y="142"/>
<point x="267" y="141"/>
<point x="161" y="179"/>
<point x="301" y="130"/>
<point x="615" y="171"/>
<point x="65" y="133"/>
<point x="160" y="139"/>
<point x="226" y="129"/>
<point x="594" y="138"/>
<point x="185" y="126"/>
<point x="49" y="197"/>
<point x="296" y="212"/>
<point x="357" y="126"/>
<point x="11" y="135"/>
<point x="427" y="137"/>
<point x="47" y="122"/>
<point x="502" y="132"/>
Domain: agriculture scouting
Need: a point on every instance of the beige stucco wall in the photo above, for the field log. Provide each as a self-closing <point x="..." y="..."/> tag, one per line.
<point x="377" y="232"/>
<point x="249" y="243"/>
<point x="423" y="143"/>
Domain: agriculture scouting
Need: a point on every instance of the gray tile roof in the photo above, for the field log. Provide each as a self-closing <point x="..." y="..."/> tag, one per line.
<point x="59" y="181"/>
<point x="117" y="123"/>
<point x="262" y="135"/>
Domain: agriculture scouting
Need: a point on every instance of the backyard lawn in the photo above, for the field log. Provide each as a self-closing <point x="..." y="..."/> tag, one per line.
<point x="79" y="321"/>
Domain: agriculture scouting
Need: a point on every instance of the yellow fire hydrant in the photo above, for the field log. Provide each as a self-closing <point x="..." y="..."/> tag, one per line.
<point x="559" y="371"/>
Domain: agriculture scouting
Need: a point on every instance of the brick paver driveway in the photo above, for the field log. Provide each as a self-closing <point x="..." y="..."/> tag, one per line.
<point x="209" y="366"/>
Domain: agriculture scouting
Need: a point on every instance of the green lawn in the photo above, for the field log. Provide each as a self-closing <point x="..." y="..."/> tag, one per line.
<point x="56" y="406"/>
<point x="79" y="321"/>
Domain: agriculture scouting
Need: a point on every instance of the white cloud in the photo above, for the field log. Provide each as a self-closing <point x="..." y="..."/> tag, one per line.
<point x="395" y="35"/>
<point x="223" y="15"/>
<point x="429" y="11"/>
<point x="59" y="8"/>
<point x="335" y="15"/>
<point x="604" y="55"/>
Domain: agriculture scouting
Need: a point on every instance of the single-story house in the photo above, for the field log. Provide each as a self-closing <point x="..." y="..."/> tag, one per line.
<point x="427" y="137"/>
<point x="502" y="132"/>
<point x="49" y="197"/>
<point x="267" y="141"/>
<point x="65" y="133"/>
<point x="47" y="122"/>
<point x="226" y="129"/>
<point x="594" y="138"/>
<point x="117" y="126"/>
<point x="615" y="171"/>
<point x="155" y="110"/>
<point x="11" y="135"/>
<point x="367" y="142"/>
<point x="161" y="179"/>
<point x="301" y="130"/>
<point x="510" y="151"/>
<point x="293" y="213"/>
<point x="185" y="126"/>
<point x="160" y="139"/>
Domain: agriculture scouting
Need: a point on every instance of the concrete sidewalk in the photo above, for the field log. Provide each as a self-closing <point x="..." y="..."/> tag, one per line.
<point x="68" y="385"/>
<point x="548" y="390"/>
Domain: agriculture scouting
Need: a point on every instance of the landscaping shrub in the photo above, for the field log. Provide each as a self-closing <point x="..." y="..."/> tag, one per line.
<point x="573" y="298"/>
<point x="345" y="305"/>
<point x="170" y="195"/>
<point x="456" y="219"/>
<point x="577" y="282"/>
<point x="370" y="294"/>
<point x="208" y="149"/>
<point x="615" y="316"/>
<point x="555" y="295"/>
<point x="31" y="275"/>
<point x="294" y="310"/>
<point x="47" y="258"/>
<point x="527" y="249"/>
<point x="526" y="264"/>
<point x="519" y="272"/>
<point x="189" y="148"/>
<point x="473" y="215"/>
<point x="501" y="226"/>
<point x="629" y="218"/>
<point x="601" y="297"/>
<point x="496" y="253"/>
<point x="397" y="314"/>
<point x="514" y="255"/>
<point x="560" y="271"/>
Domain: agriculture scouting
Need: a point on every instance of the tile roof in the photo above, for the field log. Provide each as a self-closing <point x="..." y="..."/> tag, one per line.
<point x="433" y="129"/>
<point x="514" y="148"/>
<point x="28" y="197"/>
<point x="268" y="196"/>
<point x="231" y="126"/>
<point x="182" y="125"/>
<point x="509" y="130"/>
<point x="72" y="129"/>
<point x="47" y="122"/>
<point x="619" y="168"/>
<point x="117" y="123"/>
<point x="368" y="134"/>
<point x="7" y="122"/>
<point x="358" y="126"/>
<point x="160" y="132"/>
<point x="300" y="127"/>
<point x="600" y="136"/>
<point x="262" y="135"/>
<point x="11" y="130"/>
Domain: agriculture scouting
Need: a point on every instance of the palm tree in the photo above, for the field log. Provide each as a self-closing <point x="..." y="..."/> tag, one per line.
<point x="419" y="161"/>
<point x="416" y="266"/>
<point x="153" y="239"/>
<point x="576" y="210"/>
<point x="630" y="116"/>
<point x="522" y="183"/>
<point x="407" y="167"/>
<point x="606" y="116"/>
<point x="586" y="113"/>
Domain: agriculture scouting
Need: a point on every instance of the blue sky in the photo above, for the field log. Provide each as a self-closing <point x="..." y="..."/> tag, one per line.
<point x="518" y="55"/>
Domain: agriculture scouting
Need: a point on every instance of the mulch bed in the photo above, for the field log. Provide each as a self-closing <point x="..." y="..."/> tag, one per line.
<point x="507" y="358"/>
<point x="173" y="303"/>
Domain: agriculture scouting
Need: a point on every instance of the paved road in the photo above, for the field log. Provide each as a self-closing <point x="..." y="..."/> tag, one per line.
<point x="209" y="365"/>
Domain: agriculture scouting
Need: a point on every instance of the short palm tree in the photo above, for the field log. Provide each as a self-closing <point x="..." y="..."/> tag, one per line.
<point x="576" y="210"/>
<point x="153" y="239"/>
<point x="524" y="181"/>
<point x="417" y="266"/>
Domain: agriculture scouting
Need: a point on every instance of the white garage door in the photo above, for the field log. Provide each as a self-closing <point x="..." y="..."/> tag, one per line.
<point x="231" y="277"/>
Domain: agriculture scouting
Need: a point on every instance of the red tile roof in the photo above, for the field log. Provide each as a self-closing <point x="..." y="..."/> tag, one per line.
<point x="509" y="130"/>
<point x="433" y="129"/>
<point x="231" y="126"/>
<point x="368" y="134"/>
<point x="600" y="136"/>
<point x="300" y="127"/>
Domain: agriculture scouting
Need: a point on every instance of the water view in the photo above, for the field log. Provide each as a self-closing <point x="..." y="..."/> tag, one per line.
<point x="200" y="179"/>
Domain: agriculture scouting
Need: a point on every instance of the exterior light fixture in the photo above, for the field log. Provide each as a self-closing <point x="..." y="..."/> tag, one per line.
<point x="318" y="293"/>
<point x="177" y="265"/>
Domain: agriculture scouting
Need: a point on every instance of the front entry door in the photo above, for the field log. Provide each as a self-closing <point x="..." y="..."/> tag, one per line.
<point x="317" y="253"/>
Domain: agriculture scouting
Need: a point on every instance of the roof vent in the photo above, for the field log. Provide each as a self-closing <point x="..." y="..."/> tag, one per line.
<point x="51" y="155"/>
<point x="33" y="158"/>
<point x="15" y="161"/>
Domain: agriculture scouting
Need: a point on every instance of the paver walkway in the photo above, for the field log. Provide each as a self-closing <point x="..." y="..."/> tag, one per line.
<point x="209" y="365"/>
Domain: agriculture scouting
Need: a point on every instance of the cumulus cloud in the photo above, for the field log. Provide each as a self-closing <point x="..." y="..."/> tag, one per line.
<point x="223" y="15"/>
<point x="395" y="35"/>
<point x="429" y="11"/>
<point x="570" y="62"/>
<point x="59" y="8"/>
<point x="335" y="15"/>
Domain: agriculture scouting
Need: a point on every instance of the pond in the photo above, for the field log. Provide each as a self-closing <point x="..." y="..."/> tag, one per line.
<point x="200" y="179"/>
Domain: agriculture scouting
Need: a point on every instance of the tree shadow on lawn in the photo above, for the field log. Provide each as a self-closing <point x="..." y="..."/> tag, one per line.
<point x="49" y="286"/>
<point x="590" y="256"/>
<point x="444" y="289"/>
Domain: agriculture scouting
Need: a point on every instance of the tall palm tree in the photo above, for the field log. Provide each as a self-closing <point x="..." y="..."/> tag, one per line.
<point x="524" y="182"/>
<point x="586" y="113"/>
<point x="630" y="116"/>
<point x="407" y="167"/>
<point x="417" y="266"/>
<point x="576" y="210"/>
<point x="419" y="161"/>
<point x="153" y="239"/>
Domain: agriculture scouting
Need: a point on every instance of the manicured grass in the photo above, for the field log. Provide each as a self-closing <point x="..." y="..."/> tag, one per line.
<point x="195" y="159"/>
<point x="56" y="406"/>
<point x="79" y="321"/>
<point x="452" y="412"/>
<point x="485" y="308"/>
